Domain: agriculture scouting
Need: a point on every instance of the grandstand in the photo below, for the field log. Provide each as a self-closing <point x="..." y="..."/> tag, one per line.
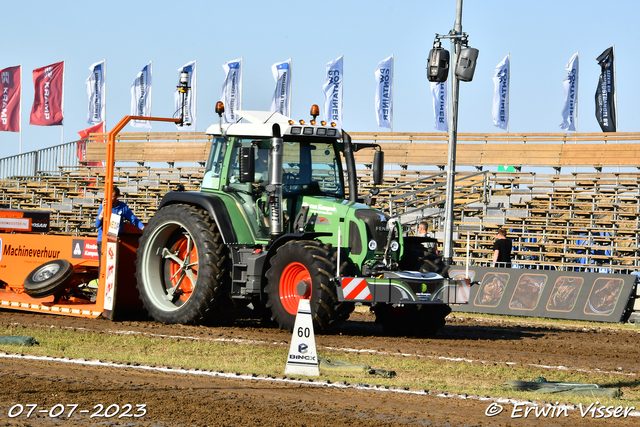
<point x="571" y="201"/>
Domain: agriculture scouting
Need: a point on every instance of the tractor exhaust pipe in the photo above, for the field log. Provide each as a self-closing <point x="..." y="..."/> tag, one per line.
<point x="275" y="187"/>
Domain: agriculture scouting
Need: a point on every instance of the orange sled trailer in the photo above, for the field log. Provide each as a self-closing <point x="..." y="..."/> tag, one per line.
<point x="57" y="274"/>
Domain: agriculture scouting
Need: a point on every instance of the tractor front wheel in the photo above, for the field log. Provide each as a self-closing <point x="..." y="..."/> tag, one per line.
<point x="306" y="261"/>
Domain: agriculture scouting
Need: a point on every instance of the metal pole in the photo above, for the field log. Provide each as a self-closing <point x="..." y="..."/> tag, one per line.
<point x="453" y="137"/>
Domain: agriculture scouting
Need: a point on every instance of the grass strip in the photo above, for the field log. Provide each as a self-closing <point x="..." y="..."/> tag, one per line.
<point x="412" y="371"/>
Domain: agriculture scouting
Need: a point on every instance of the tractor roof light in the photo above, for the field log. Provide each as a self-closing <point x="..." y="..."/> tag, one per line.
<point x="302" y="122"/>
<point x="323" y="123"/>
<point x="219" y="108"/>
<point x="334" y="124"/>
<point x="315" y="111"/>
<point x="291" y="122"/>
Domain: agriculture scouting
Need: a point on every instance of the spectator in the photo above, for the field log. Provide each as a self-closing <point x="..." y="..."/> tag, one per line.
<point x="502" y="249"/>
<point x="117" y="207"/>
<point x="422" y="229"/>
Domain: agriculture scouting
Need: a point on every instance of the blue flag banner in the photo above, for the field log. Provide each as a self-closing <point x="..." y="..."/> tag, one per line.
<point x="333" y="92"/>
<point x="281" y="101"/>
<point x="141" y="97"/>
<point x="190" y="100"/>
<point x="96" y="93"/>
<point x="570" y="83"/>
<point x="440" y="105"/>
<point x="384" y="93"/>
<point x="231" y="94"/>
<point x="500" y="110"/>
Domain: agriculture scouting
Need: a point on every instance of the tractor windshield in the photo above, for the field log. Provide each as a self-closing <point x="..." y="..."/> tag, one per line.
<point x="308" y="167"/>
<point x="312" y="168"/>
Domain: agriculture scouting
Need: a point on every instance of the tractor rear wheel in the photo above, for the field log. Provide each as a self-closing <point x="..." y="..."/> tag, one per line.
<point x="181" y="266"/>
<point x="416" y="320"/>
<point x="306" y="261"/>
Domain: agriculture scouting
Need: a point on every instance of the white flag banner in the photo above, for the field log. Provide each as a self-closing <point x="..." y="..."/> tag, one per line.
<point x="96" y="93"/>
<point x="384" y="93"/>
<point x="500" y="109"/>
<point x="231" y="95"/>
<point x="570" y="83"/>
<point x="333" y="92"/>
<point x="190" y="100"/>
<point x="440" y="105"/>
<point x="141" y="97"/>
<point x="281" y="101"/>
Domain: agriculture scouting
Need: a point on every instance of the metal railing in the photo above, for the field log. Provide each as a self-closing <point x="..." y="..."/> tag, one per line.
<point x="51" y="160"/>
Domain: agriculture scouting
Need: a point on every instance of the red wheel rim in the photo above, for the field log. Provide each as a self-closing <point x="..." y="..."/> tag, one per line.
<point x="186" y="286"/>
<point x="292" y="274"/>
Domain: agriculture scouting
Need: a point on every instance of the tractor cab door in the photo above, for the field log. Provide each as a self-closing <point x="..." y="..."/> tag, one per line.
<point x="250" y="195"/>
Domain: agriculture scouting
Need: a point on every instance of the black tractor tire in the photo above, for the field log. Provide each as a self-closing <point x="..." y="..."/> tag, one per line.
<point x="49" y="278"/>
<point x="310" y="261"/>
<point x="411" y="320"/>
<point x="182" y="265"/>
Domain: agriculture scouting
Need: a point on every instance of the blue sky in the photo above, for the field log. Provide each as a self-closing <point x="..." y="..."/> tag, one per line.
<point x="540" y="35"/>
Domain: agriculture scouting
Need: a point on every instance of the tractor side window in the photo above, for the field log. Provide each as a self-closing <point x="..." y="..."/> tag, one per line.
<point x="216" y="156"/>
<point x="325" y="170"/>
<point x="215" y="163"/>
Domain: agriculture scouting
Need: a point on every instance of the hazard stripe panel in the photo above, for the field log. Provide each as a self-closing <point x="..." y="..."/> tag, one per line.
<point x="355" y="289"/>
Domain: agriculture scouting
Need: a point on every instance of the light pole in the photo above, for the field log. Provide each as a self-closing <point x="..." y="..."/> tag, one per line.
<point x="462" y="69"/>
<point x="455" y="36"/>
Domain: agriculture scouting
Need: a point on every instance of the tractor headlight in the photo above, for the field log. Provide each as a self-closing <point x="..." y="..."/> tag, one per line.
<point x="373" y="245"/>
<point x="394" y="246"/>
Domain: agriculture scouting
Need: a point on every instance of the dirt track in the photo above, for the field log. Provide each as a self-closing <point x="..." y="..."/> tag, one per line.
<point x="174" y="399"/>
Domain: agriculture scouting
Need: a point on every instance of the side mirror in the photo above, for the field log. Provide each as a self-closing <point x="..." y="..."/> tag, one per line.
<point x="247" y="164"/>
<point x="378" y="167"/>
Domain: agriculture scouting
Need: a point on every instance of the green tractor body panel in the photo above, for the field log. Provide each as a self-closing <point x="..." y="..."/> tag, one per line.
<point x="275" y="191"/>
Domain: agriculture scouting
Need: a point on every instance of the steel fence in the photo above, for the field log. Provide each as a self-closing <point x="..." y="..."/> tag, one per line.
<point x="47" y="161"/>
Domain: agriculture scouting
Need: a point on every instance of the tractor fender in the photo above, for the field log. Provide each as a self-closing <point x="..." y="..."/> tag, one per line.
<point x="213" y="204"/>
<point x="273" y="247"/>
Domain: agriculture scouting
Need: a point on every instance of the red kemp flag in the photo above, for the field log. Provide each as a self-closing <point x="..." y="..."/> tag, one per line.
<point x="10" y="99"/>
<point x="47" y="102"/>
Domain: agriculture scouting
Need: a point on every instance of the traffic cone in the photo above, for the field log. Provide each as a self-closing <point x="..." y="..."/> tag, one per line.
<point x="302" y="358"/>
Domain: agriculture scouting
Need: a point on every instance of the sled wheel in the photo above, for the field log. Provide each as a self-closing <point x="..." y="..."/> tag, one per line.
<point x="182" y="265"/>
<point x="416" y="320"/>
<point x="49" y="278"/>
<point x="306" y="261"/>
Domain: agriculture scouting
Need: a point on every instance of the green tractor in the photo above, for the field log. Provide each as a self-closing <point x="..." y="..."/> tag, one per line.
<point x="271" y="222"/>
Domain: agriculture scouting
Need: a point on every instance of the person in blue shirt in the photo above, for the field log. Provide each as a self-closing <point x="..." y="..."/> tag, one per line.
<point x="117" y="207"/>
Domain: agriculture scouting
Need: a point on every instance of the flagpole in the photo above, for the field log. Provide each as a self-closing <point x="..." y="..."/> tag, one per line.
<point x="20" y="110"/>
<point x="62" y="104"/>
<point x="149" y="83"/>
<point x="104" y="104"/>
<point x="615" y="83"/>
<point x="241" y="77"/>
<point x="290" y="85"/>
<point x="575" y="106"/>
<point x="508" y="88"/>
<point x="392" y="70"/>
<point x="195" y="84"/>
